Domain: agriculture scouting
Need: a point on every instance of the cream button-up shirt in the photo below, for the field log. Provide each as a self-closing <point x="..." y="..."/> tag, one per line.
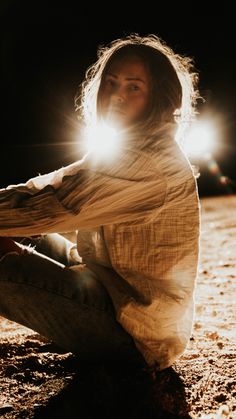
<point x="137" y="223"/>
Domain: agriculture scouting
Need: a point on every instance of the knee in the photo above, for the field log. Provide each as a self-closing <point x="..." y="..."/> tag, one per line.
<point x="90" y="291"/>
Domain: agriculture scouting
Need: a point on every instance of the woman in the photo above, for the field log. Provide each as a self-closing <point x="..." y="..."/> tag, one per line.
<point x="128" y="292"/>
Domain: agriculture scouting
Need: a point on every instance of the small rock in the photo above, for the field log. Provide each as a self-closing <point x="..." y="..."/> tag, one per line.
<point x="220" y="345"/>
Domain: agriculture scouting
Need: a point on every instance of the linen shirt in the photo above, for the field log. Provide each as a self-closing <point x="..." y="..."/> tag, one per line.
<point x="137" y="223"/>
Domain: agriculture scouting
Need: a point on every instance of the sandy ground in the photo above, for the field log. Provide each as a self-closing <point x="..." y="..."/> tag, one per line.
<point x="38" y="381"/>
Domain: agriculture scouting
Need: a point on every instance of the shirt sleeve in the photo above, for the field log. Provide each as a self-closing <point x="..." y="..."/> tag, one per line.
<point x="84" y="195"/>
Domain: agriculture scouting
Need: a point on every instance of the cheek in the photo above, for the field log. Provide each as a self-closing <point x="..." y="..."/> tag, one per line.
<point x="139" y="106"/>
<point x="102" y="101"/>
<point x="137" y="109"/>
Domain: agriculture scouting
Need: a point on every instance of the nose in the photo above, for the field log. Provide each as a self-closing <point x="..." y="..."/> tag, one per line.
<point x="117" y="100"/>
<point x="117" y="96"/>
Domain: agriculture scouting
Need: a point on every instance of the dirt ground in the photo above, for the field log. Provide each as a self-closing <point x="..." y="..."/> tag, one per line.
<point x="39" y="381"/>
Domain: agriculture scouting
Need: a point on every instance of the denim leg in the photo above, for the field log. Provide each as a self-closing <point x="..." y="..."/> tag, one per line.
<point x="71" y="308"/>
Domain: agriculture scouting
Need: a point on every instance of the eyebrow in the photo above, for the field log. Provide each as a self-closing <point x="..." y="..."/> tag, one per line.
<point x="129" y="78"/>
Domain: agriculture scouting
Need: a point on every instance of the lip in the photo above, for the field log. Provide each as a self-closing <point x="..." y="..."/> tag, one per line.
<point x="116" y="110"/>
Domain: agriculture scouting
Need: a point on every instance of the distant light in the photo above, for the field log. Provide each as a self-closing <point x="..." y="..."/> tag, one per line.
<point x="200" y="140"/>
<point x="103" y="141"/>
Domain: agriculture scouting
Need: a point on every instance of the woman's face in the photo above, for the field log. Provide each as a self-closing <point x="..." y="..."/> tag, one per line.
<point x="124" y="92"/>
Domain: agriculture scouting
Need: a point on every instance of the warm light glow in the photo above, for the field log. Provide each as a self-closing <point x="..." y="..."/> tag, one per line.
<point x="103" y="141"/>
<point x="200" y="139"/>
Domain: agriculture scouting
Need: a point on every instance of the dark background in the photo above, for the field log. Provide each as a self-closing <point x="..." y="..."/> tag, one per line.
<point x="46" y="48"/>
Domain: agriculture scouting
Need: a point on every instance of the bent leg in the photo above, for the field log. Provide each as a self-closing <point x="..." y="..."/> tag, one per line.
<point x="71" y="308"/>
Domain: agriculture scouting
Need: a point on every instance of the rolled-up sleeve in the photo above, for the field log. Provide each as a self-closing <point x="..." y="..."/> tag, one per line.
<point x="83" y="195"/>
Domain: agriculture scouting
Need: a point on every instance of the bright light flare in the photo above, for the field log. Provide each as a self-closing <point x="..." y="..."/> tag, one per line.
<point x="200" y="139"/>
<point x="103" y="141"/>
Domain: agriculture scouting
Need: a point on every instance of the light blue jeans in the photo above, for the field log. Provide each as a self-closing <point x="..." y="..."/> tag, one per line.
<point x="70" y="308"/>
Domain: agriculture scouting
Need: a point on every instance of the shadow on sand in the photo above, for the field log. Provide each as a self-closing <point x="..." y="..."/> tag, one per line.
<point x="119" y="391"/>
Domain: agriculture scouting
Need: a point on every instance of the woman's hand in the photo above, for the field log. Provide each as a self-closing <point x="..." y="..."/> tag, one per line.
<point x="8" y="245"/>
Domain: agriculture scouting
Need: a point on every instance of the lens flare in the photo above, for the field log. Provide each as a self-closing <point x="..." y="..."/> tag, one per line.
<point x="103" y="141"/>
<point x="200" y="139"/>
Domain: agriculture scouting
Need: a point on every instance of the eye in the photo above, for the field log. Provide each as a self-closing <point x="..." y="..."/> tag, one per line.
<point x="109" y="82"/>
<point x="134" y="87"/>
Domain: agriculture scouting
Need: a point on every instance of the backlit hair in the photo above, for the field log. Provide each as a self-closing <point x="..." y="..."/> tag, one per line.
<point x="173" y="94"/>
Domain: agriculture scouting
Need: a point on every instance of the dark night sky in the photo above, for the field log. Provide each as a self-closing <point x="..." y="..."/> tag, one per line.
<point x="46" y="48"/>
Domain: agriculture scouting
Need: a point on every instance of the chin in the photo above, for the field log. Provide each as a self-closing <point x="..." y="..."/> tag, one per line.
<point x="117" y="121"/>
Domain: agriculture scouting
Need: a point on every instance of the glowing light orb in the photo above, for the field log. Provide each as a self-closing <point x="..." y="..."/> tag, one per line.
<point x="103" y="141"/>
<point x="200" y="139"/>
